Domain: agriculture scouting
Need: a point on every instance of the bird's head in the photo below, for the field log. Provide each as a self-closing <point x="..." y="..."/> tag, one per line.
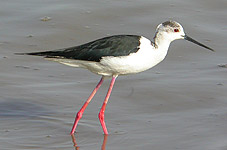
<point x="172" y="30"/>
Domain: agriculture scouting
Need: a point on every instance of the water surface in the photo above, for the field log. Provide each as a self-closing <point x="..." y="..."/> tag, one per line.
<point x="179" y="104"/>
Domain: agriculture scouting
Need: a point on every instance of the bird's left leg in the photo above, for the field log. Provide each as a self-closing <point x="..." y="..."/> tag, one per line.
<point x="102" y="110"/>
<point x="80" y="113"/>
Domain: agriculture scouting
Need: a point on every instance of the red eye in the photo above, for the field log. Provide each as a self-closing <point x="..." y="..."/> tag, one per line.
<point x="176" y="30"/>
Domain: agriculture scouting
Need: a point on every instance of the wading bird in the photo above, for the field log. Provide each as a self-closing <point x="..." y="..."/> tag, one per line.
<point x="118" y="55"/>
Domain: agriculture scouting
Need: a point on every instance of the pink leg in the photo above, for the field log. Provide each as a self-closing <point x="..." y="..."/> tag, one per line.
<point x="102" y="110"/>
<point x="80" y="113"/>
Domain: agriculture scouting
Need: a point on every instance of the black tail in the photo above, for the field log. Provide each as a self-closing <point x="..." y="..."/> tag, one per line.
<point x="45" y="54"/>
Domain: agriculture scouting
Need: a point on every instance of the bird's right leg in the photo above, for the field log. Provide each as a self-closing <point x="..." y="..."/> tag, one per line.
<point x="80" y="113"/>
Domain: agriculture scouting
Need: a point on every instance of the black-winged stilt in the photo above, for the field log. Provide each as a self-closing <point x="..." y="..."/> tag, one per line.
<point x="118" y="55"/>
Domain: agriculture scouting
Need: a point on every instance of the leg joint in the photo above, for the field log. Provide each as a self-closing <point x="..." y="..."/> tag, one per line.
<point x="79" y="115"/>
<point x="101" y="115"/>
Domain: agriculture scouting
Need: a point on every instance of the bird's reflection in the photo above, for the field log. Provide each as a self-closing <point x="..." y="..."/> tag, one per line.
<point x="74" y="142"/>
<point x="104" y="142"/>
<point x="78" y="148"/>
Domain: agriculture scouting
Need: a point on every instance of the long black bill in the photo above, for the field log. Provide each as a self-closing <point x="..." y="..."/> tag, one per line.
<point x="194" y="41"/>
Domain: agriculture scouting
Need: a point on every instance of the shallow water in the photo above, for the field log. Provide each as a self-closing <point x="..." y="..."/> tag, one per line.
<point x="179" y="104"/>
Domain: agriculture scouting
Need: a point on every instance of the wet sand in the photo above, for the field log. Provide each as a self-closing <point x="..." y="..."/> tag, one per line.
<point x="179" y="104"/>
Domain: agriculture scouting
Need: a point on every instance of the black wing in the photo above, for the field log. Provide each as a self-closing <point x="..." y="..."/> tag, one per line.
<point x="117" y="45"/>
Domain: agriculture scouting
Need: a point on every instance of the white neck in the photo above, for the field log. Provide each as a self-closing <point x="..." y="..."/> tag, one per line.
<point x="161" y="40"/>
<point x="161" y="44"/>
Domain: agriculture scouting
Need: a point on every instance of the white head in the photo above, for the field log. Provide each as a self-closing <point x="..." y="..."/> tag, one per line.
<point x="171" y="30"/>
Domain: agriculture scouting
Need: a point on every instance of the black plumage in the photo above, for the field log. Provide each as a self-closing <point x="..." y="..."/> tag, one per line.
<point x="117" y="45"/>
